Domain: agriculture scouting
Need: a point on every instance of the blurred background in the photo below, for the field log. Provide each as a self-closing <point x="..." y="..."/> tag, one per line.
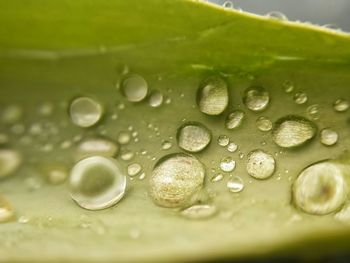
<point x="334" y="13"/>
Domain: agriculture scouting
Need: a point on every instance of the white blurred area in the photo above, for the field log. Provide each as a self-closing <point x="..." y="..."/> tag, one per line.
<point x="335" y="13"/>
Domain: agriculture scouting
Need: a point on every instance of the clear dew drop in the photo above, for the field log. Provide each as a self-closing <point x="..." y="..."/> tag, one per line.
<point x="320" y="188"/>
<point x="124" y="137"/>
<point x="97" y="182"/>
<point x="300" y="98"/>
<point x="96" y="146"/>
<point x="156" y="99"/>
<point x="85" y="112"/>
<point x="46" y="109"/>
<point x="134" y="88"/>
<point x="193" y="137"/>
<point x="234" y="119"/>
<point x="292" y="131"/>
<point x="134" y="169"/>
<point x="199" y="211"/>
<point x="6" y="210"/>
<point x="260" y="165"/>
<point x="329" y="137"/>
<point x="232" y="147"/>
<point x="223" y="140"/>
<point x="176" y="180"/>
<point x="288" y="86"/>
<point x="277" y="15"/>
<point x="256" y="98"/>
<point x="235" y="184"/>
<point x="227" y="164"/>
<point x="12" y="114"/>
<point x="227" y="4"/>
<point x="313" y="111"/>
<point x="10" y="161"/>
<point x="166" y="145"/>
<point x="217" y="177"/>
<point x="341" y="105"/>
<point x="127" y="155"/>
<point x="212" y="96"/>
<point x="264" y="123"/>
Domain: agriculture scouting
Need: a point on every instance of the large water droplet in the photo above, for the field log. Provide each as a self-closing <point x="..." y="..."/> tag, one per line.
<point x="212" y="96"/>
<point x="227" y="164"/>
<point x="300" y="98"/>
<point x="199" y="211"/>
<point x="176" y="179"/>
<point x="193" y="137"/>
<point x="314" y="111"/>
<point x="292" y="131"/>
<point x="341" y="105"/>
<point x="96" y="146"/>
<point x="10" y="160"/>
<point x="260" y="165"/>
<point x="85" y="112"/>
<point x="156" y="99"/>
<point x="134" y="88"/>
<point x="97" y="182"/>
<point x="6" y="210"/>
<point x="320" y="189"/>
<point x="264" y="124"/>
<point x="329" y="137"/>
<point x="256" y="98"/>
<point x="234" y="119"/>
<point x="235" y="184"/>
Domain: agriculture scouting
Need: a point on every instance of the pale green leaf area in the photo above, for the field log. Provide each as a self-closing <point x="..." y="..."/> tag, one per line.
<point x="54" y="51"/>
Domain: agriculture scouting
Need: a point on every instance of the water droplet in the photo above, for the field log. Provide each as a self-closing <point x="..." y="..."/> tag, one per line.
<point x="199" y="212"/>
<point x="6" y="210"/>
<point x="217" y="177"/>
<point x="314" y="111"/>
<point x="96" y="146"/>
<point x="56" y="173"/>
<point x="127" y="155"/>
<point x="256" y="98"/>
<point x="223" y="140"/>
<point x="10" y="160"/>
<point x="12" y="114"/>
<point x="97" y="182"/>
<point x="46" y="109"/>
<point x="341" y="105"/>
<point x="320" y="188"/>
<point x="260" y="165"/>
<point x="329" y="137"/>
<point x="193" y="137"/>
<point x="142" y="176"/>
<point x="300" y="98"/>
<point x="166" y="145"/>
<point x="167" y="100"/>
<point x="292" y="131"/>
<point x="264" y="123"/>
<point x="234" y="119"/>
<point x="288" y="86"/>
<point x="176" y="179"/>
<point x="134" y="169"/>
<point x="124" y="137"/>
<point x="277" y="15"/>
<point x="134" y="88"/>
<point x="227" y="164"/>
<point x="235" y="184"/>
<point x="227" y="4"/>
<point x="212" y="96"/>
<point x="23" y="220"/>
<point x="85" y="112"/>
<point x="232" y="147"/>
<point x="156" y="99"/>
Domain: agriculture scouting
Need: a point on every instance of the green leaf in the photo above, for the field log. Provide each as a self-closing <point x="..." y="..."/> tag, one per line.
<point x="53" y="51"/>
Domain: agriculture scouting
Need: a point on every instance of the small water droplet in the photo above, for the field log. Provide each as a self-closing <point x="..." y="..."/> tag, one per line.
<point x="134" y="169"/>
<point x="223" y="140"/>
<point x="241" y="155"/>
<point x="10" y="161"/>
<point x="142" y="176"/>
<point x="176" y="179"/>
<point x="227" y="4"/>
<point x="23" y="220"/>
<point x="260" y="165"/>
<point x="134" y="88"/>
<point x="277" y="15"/>
<point x="300" y="98"/>
<point x="217" y="177"/>
<point x="256" y="98"/>
<point x="127" y="155"/>
<point x="55" y="173"/>
<point x="288" y="86"/>
<point x="96" y="146"/>
<point x="292" y="131"/>
<point x="166" y="145"/>
<point x="124" y="137"/>
<point x="212" y="96"/>
<point x="341" y="105"/>
<point x="329" y="137"/>
<point x="314" y="111"/>
<point x="97" y="182"/>
<point x="121" y="106"/>
<point x="227" y="164"/>
<point x="85" y="112"/>
<point x="46" y="109"/>
<point x="12" y="114"/>
<point x="264" y="123"/>
<point x="234" y="119"/>
<point x="232" y="147"/>
<point x="156" y="99"/>
<point x="6" y="210"/>
<point x="199" y="212"/>
<point x="193" y="137"/>
<point x="167" y="100"/>
<point x="320" y="188"/>
<point x="235" y="184"/>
